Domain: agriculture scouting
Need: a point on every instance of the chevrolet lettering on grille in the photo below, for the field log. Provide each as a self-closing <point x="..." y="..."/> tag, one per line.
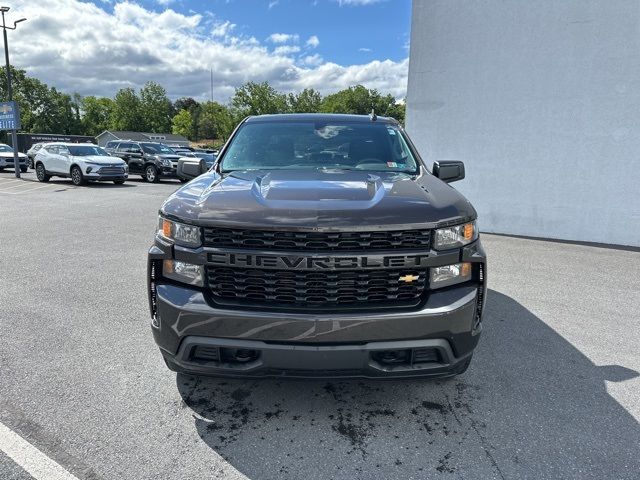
<point x="292" y="262"/>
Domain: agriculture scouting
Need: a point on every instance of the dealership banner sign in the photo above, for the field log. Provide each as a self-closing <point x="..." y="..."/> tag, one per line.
<point x="9" y="116"/>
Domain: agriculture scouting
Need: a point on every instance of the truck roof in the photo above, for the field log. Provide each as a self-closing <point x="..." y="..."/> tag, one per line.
<point x="318" y="117"/>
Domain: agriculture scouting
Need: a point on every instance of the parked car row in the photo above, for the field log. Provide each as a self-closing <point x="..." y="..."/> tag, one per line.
<point x="83" y="162"/>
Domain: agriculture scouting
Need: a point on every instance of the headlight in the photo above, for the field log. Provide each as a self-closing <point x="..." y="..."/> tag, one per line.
<point x="166" y="162"/>
<point x="449" y="275"/>
<point x="458" y="236"/>
<point x="183" y="272"/>
<point x="180" y="233"/>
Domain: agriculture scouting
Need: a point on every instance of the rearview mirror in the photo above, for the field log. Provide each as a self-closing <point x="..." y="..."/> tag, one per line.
<point x="448" y="170"/>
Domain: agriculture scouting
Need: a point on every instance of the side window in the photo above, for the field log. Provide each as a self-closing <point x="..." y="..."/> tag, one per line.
<point x="51" y="149"/>
<point x="111" y="144"/>
<point x="62" y="150"/>
<point x="128" y="147"/>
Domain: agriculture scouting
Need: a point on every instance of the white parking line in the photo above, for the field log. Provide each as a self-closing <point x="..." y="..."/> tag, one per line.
<point x="22" y="183"/>
<point x="30" y="189"/>
<point x="6" y="182"/>
<point x="32" y="460"/>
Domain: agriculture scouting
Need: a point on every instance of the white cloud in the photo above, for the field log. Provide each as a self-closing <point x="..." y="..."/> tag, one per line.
<point x="283" y="37"/>
<point x="222" y="29"/>
<point x="364" y="49"/>
<point x="286" y="49"/>
<point x="312" y="60"/>
<point x="100" y="52"/>
<point x="313" y="41"/>
<point x="273" y="4"/>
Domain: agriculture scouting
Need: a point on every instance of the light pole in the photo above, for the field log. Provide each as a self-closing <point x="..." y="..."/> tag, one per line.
<point x="14" y="136"/>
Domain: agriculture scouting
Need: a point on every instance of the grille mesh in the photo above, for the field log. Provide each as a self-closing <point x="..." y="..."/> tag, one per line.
<point x="318" y="241"/>
<point x="111" y="171"/>
<point x="313" y="289"/>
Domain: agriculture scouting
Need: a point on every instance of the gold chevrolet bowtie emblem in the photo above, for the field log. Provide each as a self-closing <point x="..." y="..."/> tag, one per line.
<point x="409" y="278"/>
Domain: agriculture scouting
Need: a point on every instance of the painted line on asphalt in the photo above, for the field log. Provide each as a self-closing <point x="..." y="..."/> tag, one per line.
<point x="50" y="187"/>
<point x="32" y="460"/>
<point x="17" y="185"/>
<point x="6" y="182"/>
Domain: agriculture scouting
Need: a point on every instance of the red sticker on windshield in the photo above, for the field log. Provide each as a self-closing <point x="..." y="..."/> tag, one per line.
<point x="392" y="164"/>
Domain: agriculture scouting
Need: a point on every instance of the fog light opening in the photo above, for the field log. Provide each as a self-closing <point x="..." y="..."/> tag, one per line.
<point x="239" y="355"/>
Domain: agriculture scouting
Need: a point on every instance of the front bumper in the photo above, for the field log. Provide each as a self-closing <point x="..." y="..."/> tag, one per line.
<point x="168" y="172"/>
<point x="301" y="344"/>
<point x="106" y="178"/>
<point x="4" y="163"/>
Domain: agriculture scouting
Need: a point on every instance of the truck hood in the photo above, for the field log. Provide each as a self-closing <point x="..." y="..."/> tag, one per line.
<point x="323" y="199"/>
<point x="102" y="159"/>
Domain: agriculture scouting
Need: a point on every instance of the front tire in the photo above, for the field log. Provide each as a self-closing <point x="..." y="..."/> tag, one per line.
<point x="76" y="176"/>
<point x="41" y="173"/>
<point x="23" y="169"/>
<point x="151" y="174"/>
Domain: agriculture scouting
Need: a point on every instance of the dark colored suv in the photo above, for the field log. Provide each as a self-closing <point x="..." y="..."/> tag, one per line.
<point x="318" y="246"/>
<point x="151" y="160"/>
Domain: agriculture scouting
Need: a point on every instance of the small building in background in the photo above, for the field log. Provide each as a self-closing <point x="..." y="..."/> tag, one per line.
<point x="169" y="139"/>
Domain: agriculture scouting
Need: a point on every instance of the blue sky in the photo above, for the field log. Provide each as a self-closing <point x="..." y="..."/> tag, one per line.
<point x="382" y="27"/>
<point x="97" y="48"/>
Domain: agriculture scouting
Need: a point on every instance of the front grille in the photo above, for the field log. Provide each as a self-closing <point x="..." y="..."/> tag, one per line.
<point x="111" y="171"/>
<point x="312" y="289"/>
<point x="318" y="241"/>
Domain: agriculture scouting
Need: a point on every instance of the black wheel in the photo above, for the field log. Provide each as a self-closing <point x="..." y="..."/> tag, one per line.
<point x="41" y="173"/>
<point x="151" y="174"/>
<point x="23" y="169"/>
<point x="118" y="182"/>
<point x="76" y="176"/>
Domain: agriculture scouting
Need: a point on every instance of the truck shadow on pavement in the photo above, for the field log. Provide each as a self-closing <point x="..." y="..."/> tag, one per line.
<point x="530" y="406"/>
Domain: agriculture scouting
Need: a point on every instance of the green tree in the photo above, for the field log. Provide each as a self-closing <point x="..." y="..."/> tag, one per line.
<point x="258" y="99"/>
<point x="127" y="112"/>
<point x="42" y="109"/>
<point x="360" y="100"/>
<point x="306" y="101"/>
<point x="96" y="114"/>
<point x="188" y="103"/>
<point x="216" y="121"/>
<point x="182" y="124"/>
<point x="155" y="107"/>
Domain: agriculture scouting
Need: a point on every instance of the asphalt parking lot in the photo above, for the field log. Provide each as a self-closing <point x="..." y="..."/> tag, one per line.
<point x="553" y="391"/>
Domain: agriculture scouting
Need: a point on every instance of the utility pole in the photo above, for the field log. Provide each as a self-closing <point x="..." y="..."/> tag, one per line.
<point x="14" y="133"/>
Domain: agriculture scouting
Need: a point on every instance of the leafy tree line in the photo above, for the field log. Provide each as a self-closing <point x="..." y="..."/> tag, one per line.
<point x="44" y="109"/>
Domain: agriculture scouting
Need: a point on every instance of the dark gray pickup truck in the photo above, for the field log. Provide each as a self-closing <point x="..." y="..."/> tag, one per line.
<point x="318" y="246"/>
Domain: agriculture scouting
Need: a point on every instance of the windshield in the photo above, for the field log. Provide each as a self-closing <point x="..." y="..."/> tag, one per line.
<point x="155" y="148"/>
<point x="5" y="148"/>
<point x="86" y="150"/>
<point x="313" y="145"/>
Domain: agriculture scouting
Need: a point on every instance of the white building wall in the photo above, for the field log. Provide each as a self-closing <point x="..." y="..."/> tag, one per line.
<point x="541" y="100"/>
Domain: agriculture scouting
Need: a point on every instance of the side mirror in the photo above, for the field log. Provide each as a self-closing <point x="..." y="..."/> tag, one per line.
<point x="448" y="170"/>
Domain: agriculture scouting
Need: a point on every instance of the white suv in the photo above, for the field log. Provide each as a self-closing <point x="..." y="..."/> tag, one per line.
<point x="80" y="162"/>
